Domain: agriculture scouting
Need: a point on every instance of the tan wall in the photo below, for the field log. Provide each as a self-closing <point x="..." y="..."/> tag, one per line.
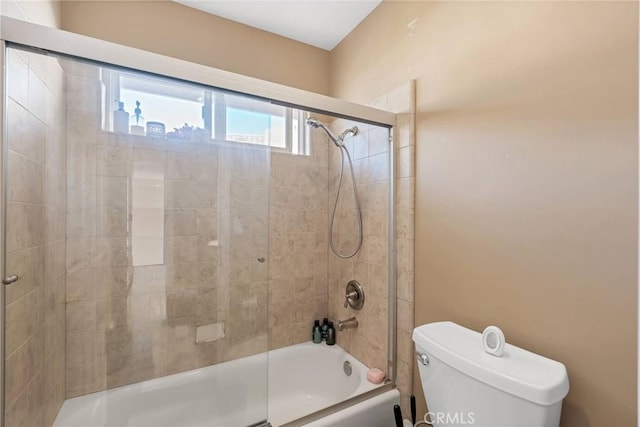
<point x="526" y="184"/>
<point x="175" y="30"/>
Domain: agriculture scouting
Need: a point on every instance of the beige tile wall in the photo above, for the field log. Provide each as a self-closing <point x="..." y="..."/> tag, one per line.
<point x="298" y="243"/>
<point x="35" y="322"/>
<point x="242" y="230"/>
<point x="127" y="323"/>
<point x="242" y="226"/>
<point x="370" y="154"/>
<point x="42" y="12"/>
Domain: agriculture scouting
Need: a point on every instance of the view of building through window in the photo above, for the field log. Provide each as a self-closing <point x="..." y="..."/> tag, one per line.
<point x="185" y="108"/>
<point x="172" y="112"/>
<point x="255" y="128"/>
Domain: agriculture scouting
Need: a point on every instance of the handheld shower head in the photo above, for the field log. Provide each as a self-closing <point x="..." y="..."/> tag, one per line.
<point x="353" y="131"/>
<point x="313" y="122"/>
<point x="339" y="140"/>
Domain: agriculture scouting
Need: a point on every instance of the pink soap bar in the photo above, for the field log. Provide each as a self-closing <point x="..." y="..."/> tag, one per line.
<point x="375" y="376"/>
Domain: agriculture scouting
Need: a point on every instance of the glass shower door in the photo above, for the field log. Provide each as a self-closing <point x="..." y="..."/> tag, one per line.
<point x="34" y="245"/>
<point x="140" y="243"/>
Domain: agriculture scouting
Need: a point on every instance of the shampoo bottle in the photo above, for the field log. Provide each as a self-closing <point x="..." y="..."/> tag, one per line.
<point x="120" y="119"/>
<point x="331" y="334"/>
<point x="323" y="328"/>
<point x="317" y="332"/>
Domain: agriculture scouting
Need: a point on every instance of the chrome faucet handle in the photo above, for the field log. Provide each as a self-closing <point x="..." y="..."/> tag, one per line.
<point x="350" y="295"/>
<point x="354" y="295"/>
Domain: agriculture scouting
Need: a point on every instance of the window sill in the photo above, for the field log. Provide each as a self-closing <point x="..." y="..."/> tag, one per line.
<point x="144" y="141"/>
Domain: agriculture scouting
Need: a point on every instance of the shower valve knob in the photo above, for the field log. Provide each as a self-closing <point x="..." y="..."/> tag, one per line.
<point x="351" y="296"/>
<point x="354" y="295"/>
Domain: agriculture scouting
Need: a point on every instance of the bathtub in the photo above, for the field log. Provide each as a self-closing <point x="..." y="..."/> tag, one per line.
<point x="300" y="380"/>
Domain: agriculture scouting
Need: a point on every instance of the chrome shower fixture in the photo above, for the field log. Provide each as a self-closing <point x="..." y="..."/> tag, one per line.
<point x="353" y="131"/>
<point x="337" y="140"/>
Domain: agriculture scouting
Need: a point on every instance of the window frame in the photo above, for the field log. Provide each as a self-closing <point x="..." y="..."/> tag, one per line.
<point x="213" y="111"/>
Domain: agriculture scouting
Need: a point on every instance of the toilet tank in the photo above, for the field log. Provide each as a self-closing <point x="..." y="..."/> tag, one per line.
<point x="465" y="386"/>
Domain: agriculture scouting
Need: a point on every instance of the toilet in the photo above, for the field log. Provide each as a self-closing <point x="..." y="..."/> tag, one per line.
<point x="466" y="386"/>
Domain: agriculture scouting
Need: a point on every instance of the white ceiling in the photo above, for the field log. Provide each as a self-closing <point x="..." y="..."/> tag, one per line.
<point x="320" y="23"/>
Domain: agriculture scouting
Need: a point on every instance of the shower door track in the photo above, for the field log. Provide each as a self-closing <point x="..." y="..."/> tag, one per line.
<point x="100" y="51"/>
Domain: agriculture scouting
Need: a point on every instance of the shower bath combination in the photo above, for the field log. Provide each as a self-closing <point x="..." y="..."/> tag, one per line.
<point x="339" y="142"/>
<point x="170" y="311"/>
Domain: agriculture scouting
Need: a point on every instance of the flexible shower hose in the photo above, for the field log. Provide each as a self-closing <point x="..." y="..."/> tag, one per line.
<point x="344" y="150"/>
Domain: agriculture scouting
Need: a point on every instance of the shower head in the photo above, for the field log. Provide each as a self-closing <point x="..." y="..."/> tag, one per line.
<point x="339" y="140"/>
<point x="353" y="131"/>
<point x="313" y="122"/>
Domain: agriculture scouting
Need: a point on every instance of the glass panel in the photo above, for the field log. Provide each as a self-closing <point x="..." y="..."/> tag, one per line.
<point x="171" y="111"/>
<point x="140" y="98"/>
<point x="206" y="251"/>
<point x="308" y="280"/>
<point x="255" y="122"/>
<point x="161" y="242"/>
<point x="35" y="212"/>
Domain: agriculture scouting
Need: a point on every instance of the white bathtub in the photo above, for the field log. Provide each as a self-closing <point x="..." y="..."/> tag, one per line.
<point x="302" y="379"/>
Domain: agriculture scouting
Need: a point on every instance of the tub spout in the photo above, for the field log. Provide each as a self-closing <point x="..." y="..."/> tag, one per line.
<point x="350" y="323"/>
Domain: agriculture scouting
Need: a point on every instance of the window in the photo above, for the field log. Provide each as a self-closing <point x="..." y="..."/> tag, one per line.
<point x="169" y="104"/>
<point x="185" y="108"/>
<point x="259" y="122"/>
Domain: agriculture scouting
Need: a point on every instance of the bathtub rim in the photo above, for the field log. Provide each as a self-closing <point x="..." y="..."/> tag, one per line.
<point x="314" y="416"/>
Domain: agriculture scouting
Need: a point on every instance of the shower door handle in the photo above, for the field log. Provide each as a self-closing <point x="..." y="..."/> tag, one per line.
<point x="10" y="279"/>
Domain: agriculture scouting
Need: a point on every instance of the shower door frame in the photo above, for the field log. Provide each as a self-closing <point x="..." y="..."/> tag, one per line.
<point x="79" y="47"/>
<point x="82" y="47"/>
<point x="3" y="219"/>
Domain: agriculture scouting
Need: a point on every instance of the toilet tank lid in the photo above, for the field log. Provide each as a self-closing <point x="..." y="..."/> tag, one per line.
<point x="517" y="372"/>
